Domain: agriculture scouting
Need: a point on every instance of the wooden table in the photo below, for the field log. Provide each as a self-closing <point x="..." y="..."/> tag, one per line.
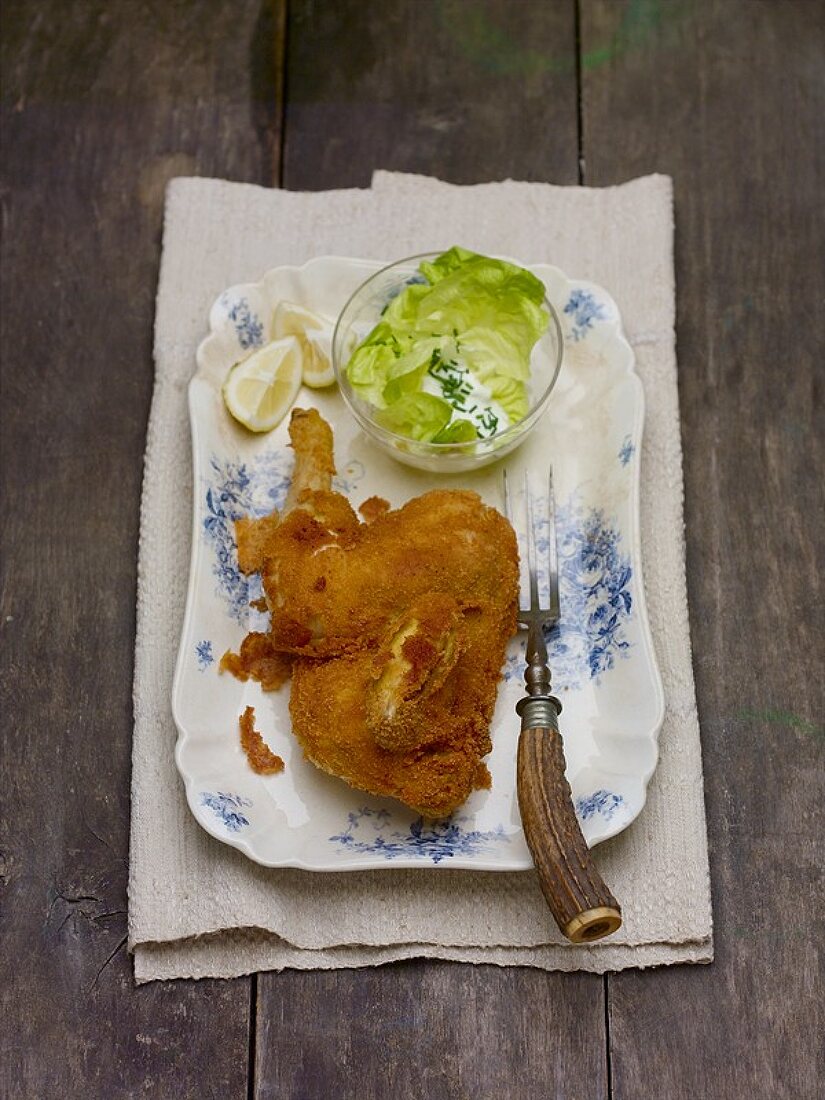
<point x="105" y="100"/>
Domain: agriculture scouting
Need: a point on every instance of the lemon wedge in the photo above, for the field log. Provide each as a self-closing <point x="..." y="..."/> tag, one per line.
<point x="259" y="391"/>
<point x="290" y="319"/>
<point x="318" y="370"/>
<point x="314" y="333"/>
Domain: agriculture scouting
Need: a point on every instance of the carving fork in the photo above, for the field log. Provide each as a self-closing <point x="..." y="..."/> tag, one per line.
<point x="583" y="906"/>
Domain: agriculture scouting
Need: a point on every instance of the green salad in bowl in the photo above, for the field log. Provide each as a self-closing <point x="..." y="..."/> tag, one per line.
<point x="448" y="359"/>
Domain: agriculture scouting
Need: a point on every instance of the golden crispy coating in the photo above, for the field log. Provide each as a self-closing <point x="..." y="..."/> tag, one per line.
<point x="312" y="478"/>
<point x="413" y="661"/>
<point x="328" y="716"/>
<point x="311" y="439"/>
<point x="253" y="537"/>
<point x="352" y="581"/>
<point x="397" y="628"/>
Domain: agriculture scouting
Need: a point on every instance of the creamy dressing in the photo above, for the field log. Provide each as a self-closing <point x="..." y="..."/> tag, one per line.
<point x="468" y="398"/>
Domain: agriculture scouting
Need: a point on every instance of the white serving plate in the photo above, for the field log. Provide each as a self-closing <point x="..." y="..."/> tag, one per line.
<point x="602" y="659"/>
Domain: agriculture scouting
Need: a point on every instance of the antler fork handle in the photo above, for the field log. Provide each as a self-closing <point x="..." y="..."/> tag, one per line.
<point x="583" y="906"/>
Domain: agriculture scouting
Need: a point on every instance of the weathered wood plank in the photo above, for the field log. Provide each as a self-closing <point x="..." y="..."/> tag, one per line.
<point x="462" y="89"/>
<point x="467" y="92"/>
<point x="102" y="103"/>
<point x="729" y="98"/>
<point x="428" y="1029"/>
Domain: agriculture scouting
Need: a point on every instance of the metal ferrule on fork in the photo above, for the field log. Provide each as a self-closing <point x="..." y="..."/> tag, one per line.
<point x="538" y="709"/>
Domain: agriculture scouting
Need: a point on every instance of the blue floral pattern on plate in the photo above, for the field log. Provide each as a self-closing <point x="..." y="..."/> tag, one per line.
<point x="583" y="308"/>
<point x="626" y="451"/>
<point x="203" y="652"/>
<point x="594" y="594"/>
<point x="515" y="664"/>
<point x="604" y="803"/>
<point x="370" y="831"/>
<point x="226" y="808"/>
<point x="248" y="326"/>
<point x="236" y="489"/>
<point x="349" y="477"/>
<point x="594" y="590"/>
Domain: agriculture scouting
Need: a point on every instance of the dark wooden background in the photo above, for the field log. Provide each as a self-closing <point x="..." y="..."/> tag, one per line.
<point x="103" y="101"/>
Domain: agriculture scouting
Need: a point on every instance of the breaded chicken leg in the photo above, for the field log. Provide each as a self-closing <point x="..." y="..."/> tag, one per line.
<point x="398" y="628"/>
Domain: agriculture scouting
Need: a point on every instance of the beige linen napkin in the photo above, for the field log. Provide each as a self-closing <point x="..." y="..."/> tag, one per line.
<point x="199" y="908"/>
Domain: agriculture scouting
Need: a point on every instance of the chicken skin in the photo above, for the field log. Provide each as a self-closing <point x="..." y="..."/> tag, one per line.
<point x="396" y="627"/>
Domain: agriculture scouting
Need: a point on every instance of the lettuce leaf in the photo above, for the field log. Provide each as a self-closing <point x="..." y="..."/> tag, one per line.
<point x="368" y="370"/>
<point x="460" y="431"/>
<point x="406" y="373"/>
<point x="446" y="263"/>
<point x="490" y="353"/>
<point x="419" y="416"/>
<point x="402" y="312"/>
<point x="489" y="313"/>
<point x="511" y="395"/>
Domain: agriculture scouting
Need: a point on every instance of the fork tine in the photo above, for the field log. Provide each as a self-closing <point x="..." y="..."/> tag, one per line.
<point x="531" y="545"/>
<point x="509" y="511"/>
<point x="552" y="548"/>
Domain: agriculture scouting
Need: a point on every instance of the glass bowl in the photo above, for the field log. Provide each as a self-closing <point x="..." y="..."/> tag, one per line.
<point x="357" y="319"/>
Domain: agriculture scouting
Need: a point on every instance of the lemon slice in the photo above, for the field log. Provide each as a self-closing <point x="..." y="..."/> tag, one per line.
<point x="315" y="335"/>
<point x="259" y="391"/>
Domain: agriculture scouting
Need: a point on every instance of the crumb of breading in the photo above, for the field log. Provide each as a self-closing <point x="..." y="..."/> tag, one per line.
<point x="262" y="759"/>
<point x="258" y="661"/>
<point x="374" y="507"/>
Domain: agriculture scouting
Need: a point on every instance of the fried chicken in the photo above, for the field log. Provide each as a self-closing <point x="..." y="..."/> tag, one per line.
<point x="397" y="628"/>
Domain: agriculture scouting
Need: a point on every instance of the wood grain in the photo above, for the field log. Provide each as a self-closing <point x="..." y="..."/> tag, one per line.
<point x="418" y="1029"/>
<point x="102" y="103"/>
<point x="468" y="90"/>
<point x="729" y="98"/>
